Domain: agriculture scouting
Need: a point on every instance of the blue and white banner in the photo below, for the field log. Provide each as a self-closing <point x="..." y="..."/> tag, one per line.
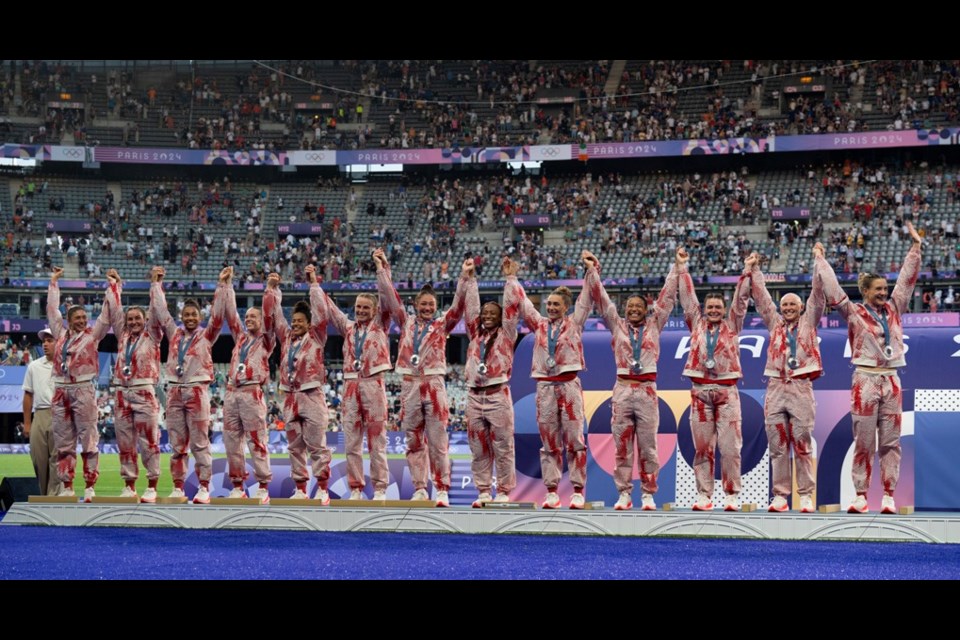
<point x="931" y="410"/>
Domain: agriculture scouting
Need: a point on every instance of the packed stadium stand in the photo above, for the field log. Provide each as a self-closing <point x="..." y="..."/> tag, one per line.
<point x="632" y="214"/>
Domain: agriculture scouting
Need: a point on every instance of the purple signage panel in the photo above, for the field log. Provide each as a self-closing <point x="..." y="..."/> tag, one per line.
<point x="69" y="226"/>
<point x="300" y="229"/>
<point x="528" y="221"/>
<point x="468" y="155"/>
<point x="128" y="155"/>
<point x="940" y="319"/>
<point x="790" y="213"/>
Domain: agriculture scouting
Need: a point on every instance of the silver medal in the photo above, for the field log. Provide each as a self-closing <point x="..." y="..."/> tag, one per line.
<point x="551" y="362"/>
<point x="179" y="370"/>
<point x="356" y="364"/>
<point x="711" y="363"/>
<point x="888" y="352"/>
<point x="415" y="360"/>
<point x="792" y="362"/>
<point x="482" y="369"/>
<point x="241" y="369"/>
<point x="127" y="371"/>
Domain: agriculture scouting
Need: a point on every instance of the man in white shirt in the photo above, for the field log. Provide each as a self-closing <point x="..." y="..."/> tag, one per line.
<point x="37" y="417"/>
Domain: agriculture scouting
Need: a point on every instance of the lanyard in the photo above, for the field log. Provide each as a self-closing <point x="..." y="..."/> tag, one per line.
<point x="712" y="337"/>
<point x="553" y="337"/>
<point x="131" y="349"/>
<point x="483" y="347"/>
<point x="882" y="321"/>
<point x="183" y="347"/>
<point x="636" y="341"/>
<point x="792" y="340"/>
<point x="292" y="356"/>
<point x="248" y="342"/>
<point x="66" y="345"/>
<point x="358" y="342"/>
<point x="418" y="336"/>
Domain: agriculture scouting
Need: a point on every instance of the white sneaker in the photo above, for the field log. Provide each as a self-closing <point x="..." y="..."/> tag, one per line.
<point x="89" y="494"/>
<point x="888" y="505"/>
<point x="806" y="504"/>
<point x="443" y="499"/>
<point x="624" y="502"/>
<point x="859" y="505"/>
<point x="731" y="502"/>
<point x="577" y="501"/>
<point x="323" y="496"/>
<point x="779" y="505"/>
<point x="380" y="494"/>
<point x="262" y="495"/>
<point x="128" y="492"/>
<point x="648" y="503"/>
<point x="502" y="497"/>
<point x="202" y="497"/>
<point x="356" y="494"/>
<point x="420" y="494"/>
<point x="552" y="501"/>
<point x="703" y="503"/>
<point x="66" y="492"/>
<point x="178" y="493"/>
<point x="299" y="494"/>
<point x="238" y="492"/>
<point x="482" y="498"/>
<point x="149" y="496"/>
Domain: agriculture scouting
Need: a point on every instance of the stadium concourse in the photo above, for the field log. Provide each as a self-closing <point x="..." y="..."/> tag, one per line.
<point x="274" y="166"/>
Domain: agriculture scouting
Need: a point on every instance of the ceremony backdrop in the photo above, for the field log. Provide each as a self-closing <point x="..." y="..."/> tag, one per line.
<point x="931" y="413"/>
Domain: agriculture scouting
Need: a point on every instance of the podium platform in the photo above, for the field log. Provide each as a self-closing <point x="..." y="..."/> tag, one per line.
<point x="938" y="528"/>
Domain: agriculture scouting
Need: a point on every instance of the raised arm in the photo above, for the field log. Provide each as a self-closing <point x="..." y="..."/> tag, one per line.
<point x="269" y="336"/>
<point x="584" y="303"/>
<point x="472" y="306"/>
<point x="54" y="317"/>
<point x="817" y="302"/>
<point x="114" y="312"/>
<point x="667" y="299"/>
<point x="531" y="317"/>
<point x="686" y="291"/>
<point x="111" y="313"/>
<point x="230" y="315"/>
<point x="218" y="310"/>
<point x="741" y="297"/>
<point x="452" y="315"/>
<point x="907" y="280"/>
<point x="318" y="321"/>
<point x="833" y="292"/>
<point x="761" y="297"/>
<point x="513" y="298"/>
<point x="390" y="302"/>
<point x="273" y="320"/>
<point x="322" y="306"/>
<point x="600" y="297"/>
<point x="153" y="327"/>
<point x="158" y="304"/>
